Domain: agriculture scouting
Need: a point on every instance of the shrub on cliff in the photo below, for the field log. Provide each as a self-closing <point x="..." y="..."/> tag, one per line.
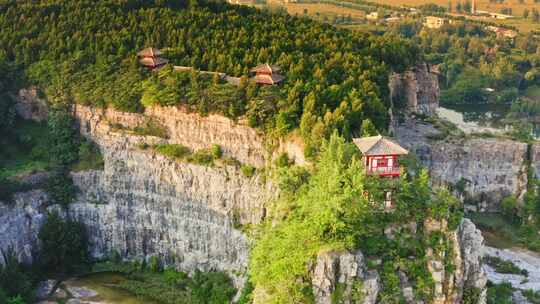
<point x="15" y="281"/>
<point x="64" y="138"/>
<point x="60" y="187"/>
<point x="64" y="245"/>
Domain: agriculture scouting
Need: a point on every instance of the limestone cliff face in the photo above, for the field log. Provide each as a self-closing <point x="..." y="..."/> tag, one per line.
<point x="489" y="168"/>
<point x="417" y="89"/>
<point x="20" y="223"/>
<point x="347" y="271"/>
<point x="144" y="204"/>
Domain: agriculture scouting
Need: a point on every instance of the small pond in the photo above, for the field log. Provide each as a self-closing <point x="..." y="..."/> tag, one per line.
<point x="104" y="285"/>
<point x="480" y="118"/>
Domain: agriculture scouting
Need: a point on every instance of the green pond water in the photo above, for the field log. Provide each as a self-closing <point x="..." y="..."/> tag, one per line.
<point x="482" y="117"/>
<point x="101" y="283"/>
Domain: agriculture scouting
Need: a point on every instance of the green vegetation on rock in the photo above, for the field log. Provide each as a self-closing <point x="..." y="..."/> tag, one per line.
<point x="327" y="210"/>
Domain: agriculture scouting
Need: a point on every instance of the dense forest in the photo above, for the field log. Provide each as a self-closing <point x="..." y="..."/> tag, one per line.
<point x="85" y="52"/>
<point x="479" y="66"/>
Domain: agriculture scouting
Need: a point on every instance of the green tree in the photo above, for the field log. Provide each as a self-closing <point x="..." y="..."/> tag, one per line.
<point x="14" y="280"/>
<point x="63" y="141"/>
<point x="64" y="245"/>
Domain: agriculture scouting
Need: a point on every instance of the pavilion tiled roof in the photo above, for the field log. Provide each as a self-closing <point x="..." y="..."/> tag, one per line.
<point x="266" y="68"/>
<point x="379" y="145"/>
<point x="153" y="61"/>
<point x="268" y="79"/>
<point x="150" y="52"/>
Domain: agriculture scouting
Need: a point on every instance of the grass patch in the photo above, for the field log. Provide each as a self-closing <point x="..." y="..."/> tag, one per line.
<point x="499" y="293"/>
<point x="532" y="296"/>
<point x="148" y="128"/>
<point x="170" y="286"/>
<point x="90" y="157"/>
<point x="502" y="266"/>
<point x="533" y="92"/>
<point x="497" y="231"/>
<point x="204" y="157"/>
<point x="247" y="170"/>
<point x="24" y="150"/>
<point x="175" y="151"/>
<point x="501" y="233"/>
<point x="151" y="128"/>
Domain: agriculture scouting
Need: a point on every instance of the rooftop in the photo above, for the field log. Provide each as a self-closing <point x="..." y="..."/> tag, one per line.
<point x="379" y="145"/>
<point x="268" y="79"/>
<point x="149" y="52"/>
<point x="153" y="61"/>
<point x="266" y="68"/>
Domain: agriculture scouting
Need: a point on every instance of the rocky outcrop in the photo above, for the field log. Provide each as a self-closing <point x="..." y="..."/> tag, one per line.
<point x="342" y="276"/>
<point x="465" y="254"/>
<point x="488" y="169"/>
<point x="535" y="158"/>
<point x="417" y="90"/>
<point x="144" y="204"/>
<point x="468" y="244"/>
<point x="30" y="106"/>
<point x="20" y="222"/>
<point x="192" y="130"/>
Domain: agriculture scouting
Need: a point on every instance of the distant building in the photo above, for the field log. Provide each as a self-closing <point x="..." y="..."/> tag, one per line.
<point x="474" y="7"/>
<point x="380" y="155"/>
<point x="267" y="74"/>
<point x="151" y="58"/>
<point x="392" y="20"/>
<point x="502" y="32"/>
<point x="435" y="22"/>
<point x="494" y="15"/>
<point x="373" y="16"/>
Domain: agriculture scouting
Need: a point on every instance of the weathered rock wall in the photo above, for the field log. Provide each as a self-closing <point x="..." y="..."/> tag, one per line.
<point x="30" y="106"/>
<point x="332" y="269"/>
<point x="194" y="131"/>
<point x="144" y="204"/>
<point x="417" y="89"/>
<point x="20" y="222"/>
<point x="489" y="168"/>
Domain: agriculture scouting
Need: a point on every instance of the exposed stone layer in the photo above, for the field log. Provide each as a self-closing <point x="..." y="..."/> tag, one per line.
<point x="144" y="204"/>
<point x="30" y="106"/>
<point x="417" y="89"/>
<point x="20" y="223"/>
<point x="489" y="168"/>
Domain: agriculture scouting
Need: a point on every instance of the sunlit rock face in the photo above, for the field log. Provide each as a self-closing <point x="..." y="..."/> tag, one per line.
<point x="416" y="89"/>
<point x="144" y="204"/>
<point x="488" y="169"/>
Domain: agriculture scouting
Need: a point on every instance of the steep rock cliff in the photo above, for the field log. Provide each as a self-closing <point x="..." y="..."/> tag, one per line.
<point x="417" y="89"/>
<point x="20" y="222"/>
<point x="489" y="168"/>
<point x="346" y="272"/>
<point x="144" y="204"/>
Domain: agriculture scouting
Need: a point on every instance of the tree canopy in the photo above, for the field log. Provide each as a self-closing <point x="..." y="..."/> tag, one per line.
<point x="335" y="78"/>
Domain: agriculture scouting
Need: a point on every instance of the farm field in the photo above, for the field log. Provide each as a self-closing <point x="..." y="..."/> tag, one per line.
<point x="517" y="7"/>
<point x="523" y="25"/>
<point x="322" y="8"/>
